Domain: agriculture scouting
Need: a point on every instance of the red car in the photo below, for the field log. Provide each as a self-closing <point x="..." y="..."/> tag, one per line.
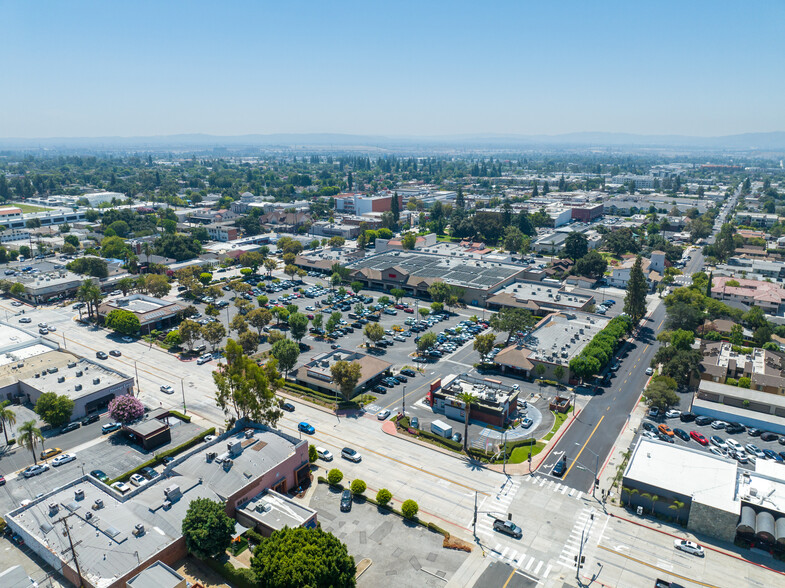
<point x="310" y="316"/>
<point x="2" y="481"/>
<point x="400" y="306"/>
<point x="409" y="310"/>
<point x="699" y="438"/>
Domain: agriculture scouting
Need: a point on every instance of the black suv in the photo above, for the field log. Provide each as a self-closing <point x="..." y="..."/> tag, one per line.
<point x="90" y="419"/>
<point x="703" y="420"/>
<point x="346" y="501"/>
<point x="687" y="417"/>
<point x="732" y="428"/>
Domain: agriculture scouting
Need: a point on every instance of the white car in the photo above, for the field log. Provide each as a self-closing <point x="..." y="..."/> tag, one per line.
<point x="688" y="547"/>
<point x="138" y="479"/>
<point x="167" y="389"/>
<point x="127" y="339"/>
<point x="718" y="424"/>
<point x="735" y="446"/>
<point x="382" y="414"/>
<point x="204" y="359"/>
<point x="754" y="450"/>
<point x="63" y="458"/>
<point x="121" y="487"/>
<point x="672" y="414"/>
<point x="649" y="371"/>
<point x="324" y="454"/>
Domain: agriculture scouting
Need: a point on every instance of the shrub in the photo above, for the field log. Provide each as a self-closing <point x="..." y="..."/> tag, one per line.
<point x="383" y="496"/>
<point x="358" y="487"/>
<point x="409" y="509"/>
<point x="334" y="476"/>
<point x="241" y="577"/>
<point x="312" y="455"/>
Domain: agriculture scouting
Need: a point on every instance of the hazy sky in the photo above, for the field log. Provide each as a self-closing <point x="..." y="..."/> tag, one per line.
<point x="698" y="67"/>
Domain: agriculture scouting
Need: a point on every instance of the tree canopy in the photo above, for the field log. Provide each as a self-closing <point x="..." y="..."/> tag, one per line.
<point x="53" y="409"/>
<point x="123" y="321"/>
<point x="207" y="528"/>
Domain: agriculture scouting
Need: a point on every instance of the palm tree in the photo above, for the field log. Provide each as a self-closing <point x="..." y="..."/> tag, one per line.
<point x="646" y="495"/>
<point x="29" y="435"/>
<point x="654" y="499"/>
<point x="91" y="294"/>
<point x="630" y="493"/>
<point x="146" y="250"/>
<point x="7" y="417"/>
<point x="677" y="506"/>
<point x="467" y="398"/>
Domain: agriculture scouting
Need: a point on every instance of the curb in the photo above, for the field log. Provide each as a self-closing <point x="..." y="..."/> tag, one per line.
<point x="705" y="546"/>
<point x="556" y="439"/>
<point x="429" y="445"/>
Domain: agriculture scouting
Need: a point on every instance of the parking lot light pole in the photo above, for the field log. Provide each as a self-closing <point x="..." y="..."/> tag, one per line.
<point x="403" y="400"/>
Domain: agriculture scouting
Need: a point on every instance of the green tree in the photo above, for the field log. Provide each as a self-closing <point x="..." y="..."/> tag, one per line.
<point x="755" y="317"/>
<point x="123" y="321"/>
<point x="207" y="528"/>
<point x="408" y="241"/>
<point x="286" y="352"/>
<point x="398" y="293"/>
<point x="660" y="394"/>
<point x="53" y="409"/>
<point x="437" y="307"/>
<point x="300" y="557"/>
<point x="7" y="417"/>
<point x="374" y="332"/>
<point x="356" y="286"/>
<point x="125" y="285"/>
<point x="259" y="318"/>
<point x="333" y="321"/>
<point x="635" y="300"/>
<point x="358" y="487"/>
<point x="426" y="341"/>
<point x="737" y="334"/>
<point x="114" y="248"/>
<point x="298" y="324"/>
<point x="383" y="496"/>
<point x="313" y="455"/>
<point x="591" y="265"/>
<point x="483" y="344"/>
<point x="346" y="375"/>
<point x="317" y="320"/>
<point x="246" y="389"/>
<point x="682" y="339"/>
<point x="576" y="245"/>
<point x="205" y="278"/>
<point x="334" y="476"/>
<point x="558" y="372"/>
<point x="213" y="333"/>
<point x="511" y="320"/>
<point x="29" y="436"/>
<point x="409" y="509"/>
<point x="190" y="332"/>
<point x="513" y="239"/>
<point x="17" y="289"/>
<point x="249" y="341"/>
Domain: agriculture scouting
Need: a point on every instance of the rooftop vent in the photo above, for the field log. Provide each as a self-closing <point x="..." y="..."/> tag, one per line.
<point x="96" y="380"/>
<point x="88" y="515"/>
<point x="79" y="374"/>
<point x="78" y="494"/>
<point x="78" y="387"/>
<point x="98" y="504"/>
<point x="139" y="529"/>
<point x="53" y="508"/>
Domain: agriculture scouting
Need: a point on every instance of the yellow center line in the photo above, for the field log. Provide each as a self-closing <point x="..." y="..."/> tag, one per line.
<point x="512" y="573"/>
<point x="657" y="568"/>
<point x="574" y="461"/>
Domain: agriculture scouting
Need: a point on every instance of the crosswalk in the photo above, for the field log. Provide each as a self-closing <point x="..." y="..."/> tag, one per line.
<point x="585" y="523"/>
<point x="520" y="560"/>
<point x="553" y="485"/>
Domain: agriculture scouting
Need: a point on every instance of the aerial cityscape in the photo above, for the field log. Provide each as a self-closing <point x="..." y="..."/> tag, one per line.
<point x="350" y="295"/>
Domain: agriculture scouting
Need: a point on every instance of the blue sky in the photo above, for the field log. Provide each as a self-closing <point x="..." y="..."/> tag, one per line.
<point x="135" y="68"/>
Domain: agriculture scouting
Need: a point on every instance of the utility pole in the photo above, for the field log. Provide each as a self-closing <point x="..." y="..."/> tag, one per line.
<point x="474" y="521"/>
<point x="72" y="549"/>
<point x="403" y="399"/>
<point x="182" y="387"/>
<point x="138" y="384"/>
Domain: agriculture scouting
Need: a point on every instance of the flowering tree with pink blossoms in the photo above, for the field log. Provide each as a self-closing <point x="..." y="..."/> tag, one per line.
<point x="125" y="409"/>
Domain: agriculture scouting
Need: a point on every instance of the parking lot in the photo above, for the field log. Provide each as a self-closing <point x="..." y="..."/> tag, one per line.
<point x="402" y="553"/>
<point x="742" y="438"/>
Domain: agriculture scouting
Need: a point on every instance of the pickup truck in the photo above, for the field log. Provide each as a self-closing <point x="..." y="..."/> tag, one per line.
<point x="507" y="527"/>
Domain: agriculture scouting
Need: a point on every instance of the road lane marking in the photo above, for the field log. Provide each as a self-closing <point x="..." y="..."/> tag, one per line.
<point x="574" y="461"/>
<point x="656" y="568"/>
<point x="512" y="573"/>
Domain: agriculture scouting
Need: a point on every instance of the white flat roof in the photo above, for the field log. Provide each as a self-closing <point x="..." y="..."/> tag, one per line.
<point x="707" y="478"/>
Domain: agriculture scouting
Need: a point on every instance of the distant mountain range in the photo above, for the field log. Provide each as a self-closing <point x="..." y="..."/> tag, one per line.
<point x="743" y="142"/>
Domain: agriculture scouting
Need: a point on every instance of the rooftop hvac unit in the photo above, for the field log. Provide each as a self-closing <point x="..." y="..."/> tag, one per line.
<point x="88" y="515"/>
<point x="37" y="375"/>
<point x="53" y="508"/>
<point x="60" y="379"/>
<point x="172" y="492"/>
<point x="139" y="529"/>
<point x="78" y="494"/>
<point x="79" y="374"/>
<point x="227" y="464"/>
<point x="96" y="380"/>
<point x="78" y="387"/>
<point x="234" y="447"/>
<point x="167" y="504"/>
<point x="71" y="364"/>
<point x="263" y="507"/>
<point x="98" y="504"/>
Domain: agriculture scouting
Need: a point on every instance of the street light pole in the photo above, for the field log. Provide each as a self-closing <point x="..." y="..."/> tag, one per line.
<point x="403" y="400"/>
<point x="182" y="387"/>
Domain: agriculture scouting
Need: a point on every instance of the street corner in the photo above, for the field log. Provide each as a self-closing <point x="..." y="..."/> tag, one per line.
<point x="389" y="428"/>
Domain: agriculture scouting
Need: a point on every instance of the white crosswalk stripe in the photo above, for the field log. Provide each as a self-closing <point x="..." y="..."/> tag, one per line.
<point x="581" y="530"/>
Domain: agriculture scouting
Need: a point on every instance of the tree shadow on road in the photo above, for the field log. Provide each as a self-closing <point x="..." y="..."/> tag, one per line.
<point x="472" y="463"/>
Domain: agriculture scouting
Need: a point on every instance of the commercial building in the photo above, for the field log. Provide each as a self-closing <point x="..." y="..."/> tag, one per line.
<point x="751" y="408"/>
<point x="328" y="229"/>
<point x="415" y="272"/>
<point x="758" y="219"/>
<point x="768" y="296"/>
<point x="553" y="342"/>
<point x="539" y="297"/>
<point x="41" y="287"/>
<point x="271" y="511"/>
<point x="711" y="494"/>
<point x="420" y="242"/>
<point x="9" y="215"/>
<point x="316" y="373"/>
<point x="495" y="403"/>
<point x="222" y="232"/>
<point x="115" y="538"/>
<point x="14" y="235"/>
<point x="361" y="204"/>
<point x="588" y="213"/>
<point x="31" y="365"/>
<point x="153" y="313"/>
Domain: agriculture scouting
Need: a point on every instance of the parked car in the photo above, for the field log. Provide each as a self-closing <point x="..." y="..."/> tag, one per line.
<point x="414" y="422"/>
<point x="647" y="426"/>
<point x="699" y="437"/>
<point x="526" y="423"/>
<point x="51" y="452"/>
<point x="121" y="487"/>
<point x="204" y="358"/>
<point x="753" y="432"/>
<point x="35" y="470"/>
<point x="672" y="414"/>
<point x="346" y="501"/>
<point x="137" y="479"/>
<point x="100" y="475"/>
<point x="734" y="445"/>
<point x="753" y="449"/>
<point x="457" y="437"/>
<point x="109" y="427"/>
<point x="649" y="371"/>
<point x="306" y="428"/>
<point x="64" y="458"/>
<point x="654" y="412"/>
<point x="688" y="547"/>
<point x="383" y="414"/>
<point x="681" y="434"/>
<point x="769" y="436"/>
<point x="71" y="427"/>
<point x="89" y="419"/>
<point x="732" y="428"/>
<point x="772" y="455"/>
<point x="25" y="319"/>
<point x="351" y="454"/>
<point x="718" y="424"/>
<point x="718" y="441"/>
<point x="687" y="417"/>
<point x="703" y="420"/>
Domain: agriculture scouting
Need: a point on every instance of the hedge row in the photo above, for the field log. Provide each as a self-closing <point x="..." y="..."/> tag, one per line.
<point x="599" y="351"/>
<point x="180" y="416"/>
<point x="159" y="457"/>
<point x="240" y="577"/>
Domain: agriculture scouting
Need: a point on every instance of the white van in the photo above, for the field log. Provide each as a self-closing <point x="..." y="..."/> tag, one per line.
<point x="324" y="454"/>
